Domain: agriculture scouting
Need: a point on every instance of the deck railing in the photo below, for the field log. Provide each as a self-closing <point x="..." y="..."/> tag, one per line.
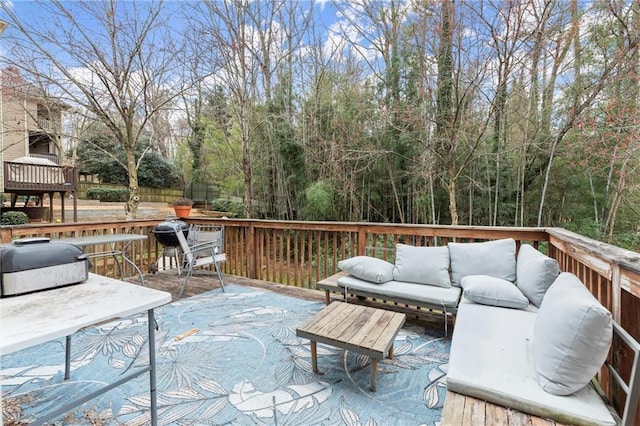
<point x="301" y="253"/>
<point x="20" y="176"/>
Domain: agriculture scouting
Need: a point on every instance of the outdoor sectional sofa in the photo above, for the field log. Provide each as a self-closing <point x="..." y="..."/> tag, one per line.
<point x="526" y="336"/>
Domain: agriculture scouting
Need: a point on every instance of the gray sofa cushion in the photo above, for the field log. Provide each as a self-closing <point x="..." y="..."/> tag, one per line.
<point x="494" y="258"/>
<point x="420" y="293"/>
<point x="492" y="359"/>
<point x="493" y="291"/>
<point x="572" y="336"/>
<point x="368" y="268"/>
<point x="422" y="265"/>
<point x="535" y="273"/>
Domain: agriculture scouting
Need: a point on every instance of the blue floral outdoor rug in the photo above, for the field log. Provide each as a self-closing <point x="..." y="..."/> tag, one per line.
<point x="244" y="366"/>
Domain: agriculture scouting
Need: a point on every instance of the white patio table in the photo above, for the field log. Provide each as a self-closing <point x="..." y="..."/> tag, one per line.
<point x="30" y="319"/>
<point x="113" y="240"/>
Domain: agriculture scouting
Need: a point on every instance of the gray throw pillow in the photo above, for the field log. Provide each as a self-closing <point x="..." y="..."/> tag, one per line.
<point x="535" y="273"/>
<point x="493" y="291"/>
<point x="494" y="258"/>
<point x="368" y="268"/>
<point x="571" y="337"/>
<point x="422" y="265"/>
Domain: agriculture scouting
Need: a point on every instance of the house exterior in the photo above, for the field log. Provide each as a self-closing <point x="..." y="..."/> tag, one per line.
<point x="30" y="124"/>
<point x="30" y="142"/>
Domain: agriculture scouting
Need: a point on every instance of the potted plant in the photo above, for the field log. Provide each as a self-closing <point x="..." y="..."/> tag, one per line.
<point x="182" y="206"/>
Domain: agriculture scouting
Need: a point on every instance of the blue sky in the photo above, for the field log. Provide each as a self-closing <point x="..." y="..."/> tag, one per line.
<point x="36" y="11"/>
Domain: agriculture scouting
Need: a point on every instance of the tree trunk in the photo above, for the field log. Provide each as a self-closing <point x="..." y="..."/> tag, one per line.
<point x="453" y="207"/>
<point x="444" y="112"/>
<point x="131" y="207"/>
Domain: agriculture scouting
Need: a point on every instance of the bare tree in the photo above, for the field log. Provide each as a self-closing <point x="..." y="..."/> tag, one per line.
<point x="111" y="61"/>
<point x="224" y="28"/>
<point x="252" y="41"/>
<point x="613" y="65"/>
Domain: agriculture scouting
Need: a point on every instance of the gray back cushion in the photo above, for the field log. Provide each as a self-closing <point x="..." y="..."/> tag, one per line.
<point x="422" y="265"/>
<point x="368" y="268"/>
<point x="494" y="258"/>
<point x="571" y="338"/>
<point x="535" y="273"/>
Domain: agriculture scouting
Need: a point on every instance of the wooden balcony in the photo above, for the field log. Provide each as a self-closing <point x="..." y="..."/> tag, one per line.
<point x="23" y="178"/>
<point x="295" y="255"/>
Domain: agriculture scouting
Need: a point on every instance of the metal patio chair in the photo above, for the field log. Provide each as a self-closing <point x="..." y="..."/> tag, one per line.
<point x="203" y="246"/>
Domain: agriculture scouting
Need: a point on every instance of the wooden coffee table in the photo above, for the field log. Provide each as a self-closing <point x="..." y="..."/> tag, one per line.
<point x="361" y="329"/>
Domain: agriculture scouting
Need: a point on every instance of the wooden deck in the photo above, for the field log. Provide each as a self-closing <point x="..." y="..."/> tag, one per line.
<point x="459" y="410"/>
<point x="199" y="283"/>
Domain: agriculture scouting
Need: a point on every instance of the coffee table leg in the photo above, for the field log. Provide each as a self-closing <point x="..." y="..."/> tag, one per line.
<point x="391" y="352"/>
<point x="374" y="372"/>
<point x="314" y="356"/>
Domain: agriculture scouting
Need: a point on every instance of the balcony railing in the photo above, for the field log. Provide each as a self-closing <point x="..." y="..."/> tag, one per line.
<point x="44" y="124"/>
<point x="20" y="176"/>
<point x="51" y="157"/>
<point x="301" y="253"/>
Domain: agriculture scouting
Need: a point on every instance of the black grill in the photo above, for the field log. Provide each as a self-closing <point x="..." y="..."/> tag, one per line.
<point x="165" y="232"/>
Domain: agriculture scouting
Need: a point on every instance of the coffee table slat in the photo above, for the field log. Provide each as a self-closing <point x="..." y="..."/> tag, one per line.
<point x="313" y="324"/>
<point x="335" y="326"/>
<point x="361" y="327"/>
<point x="385" y="339"/>
<point x="383" y="322"/>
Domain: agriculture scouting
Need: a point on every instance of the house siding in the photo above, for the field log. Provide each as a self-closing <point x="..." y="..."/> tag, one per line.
<point x="19" y="119"/>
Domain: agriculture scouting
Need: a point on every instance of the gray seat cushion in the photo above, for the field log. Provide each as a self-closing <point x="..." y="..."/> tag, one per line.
<point x="420" y="293"/>
<point x="492" y="359"/>
<point x="494" y="258"/>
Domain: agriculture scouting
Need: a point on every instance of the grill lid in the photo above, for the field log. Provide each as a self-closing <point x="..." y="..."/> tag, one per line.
<point x="34" y="253"/>
<point x="165" y="232"/>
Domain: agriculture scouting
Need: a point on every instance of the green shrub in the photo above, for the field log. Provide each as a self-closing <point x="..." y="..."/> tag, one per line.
<point x="14" y="218"/>
<point x="319" y="202"/>
<point x="108" y="194"/>
<point x="226" y="205"/>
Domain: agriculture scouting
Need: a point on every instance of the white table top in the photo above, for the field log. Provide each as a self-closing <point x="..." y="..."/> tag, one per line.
<point x="91" y="240"/>
<point x="30" y="319"/>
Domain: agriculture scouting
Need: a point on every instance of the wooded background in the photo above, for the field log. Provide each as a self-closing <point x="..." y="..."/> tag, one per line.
<point x="505" y="113"/>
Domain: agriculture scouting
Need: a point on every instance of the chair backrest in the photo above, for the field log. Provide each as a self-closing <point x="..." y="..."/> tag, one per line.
<point x="184" y="244"/>
<point x="192" y="235"/>
<point x="213" y="234"/>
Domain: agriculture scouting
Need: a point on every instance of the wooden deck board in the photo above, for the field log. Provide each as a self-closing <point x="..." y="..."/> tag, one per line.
<point x="498" y="414"/>
<point x="474" y="412"/>
<point x="453" y="409"/>
<point x="461" y="410"/>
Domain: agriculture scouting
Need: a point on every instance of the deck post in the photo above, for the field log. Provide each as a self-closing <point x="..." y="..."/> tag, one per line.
<point x="251" y="252"/>
<point x="362" y="240"/>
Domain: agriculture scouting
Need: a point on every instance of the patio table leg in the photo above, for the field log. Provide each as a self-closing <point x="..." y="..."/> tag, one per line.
<point x="374" y="372"/>
<point x="314" y="356"/>
<point x="67" y="358"/>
